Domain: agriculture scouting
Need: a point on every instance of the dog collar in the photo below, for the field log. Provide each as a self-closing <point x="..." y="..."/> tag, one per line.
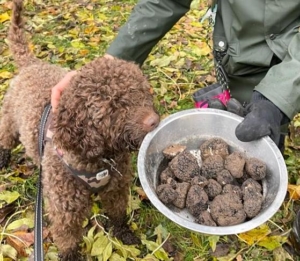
<point x="94" y="181"/>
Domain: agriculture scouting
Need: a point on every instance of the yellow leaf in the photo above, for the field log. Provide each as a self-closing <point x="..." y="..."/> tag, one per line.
<point x="255" y="235"/>
<point x="8" y="251"/>
<point x="107" y="252"/>
<point x="271" y="242"/>
<point x="5" y="75"/>
<point x="99" y="245"/>
<point x="77" y="44"/>
<point x="8" y="196"/>
<point x="201" y="49"/>
<point x="116" y="257"/>
<point x="149" y="258"/>
<point x="21" y="222"/>
<point x="294" y="191"/>
<point x="163" y="61"/>
<point x="160" y="253"/>
<point x="213" y="240"/>
<point x="126" y="250"/>
<point x="4" y="17"/>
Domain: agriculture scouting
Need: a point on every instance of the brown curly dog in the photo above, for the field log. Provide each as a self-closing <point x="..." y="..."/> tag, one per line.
<point x="102" y="116"/>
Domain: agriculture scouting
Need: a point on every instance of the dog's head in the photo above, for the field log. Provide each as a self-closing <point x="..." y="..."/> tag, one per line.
<point x="108" y="107"/>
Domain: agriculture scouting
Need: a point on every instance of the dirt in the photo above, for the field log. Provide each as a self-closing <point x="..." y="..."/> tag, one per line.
<point x="217" y="187"/>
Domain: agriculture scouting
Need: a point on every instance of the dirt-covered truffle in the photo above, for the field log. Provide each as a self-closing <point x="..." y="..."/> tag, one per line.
<point x="256" y="168"/>
<point x="199" y="180"/>
<point x="205" y="219"/>
<point x="212" y="189"/>
<point x="234" y="189"/>
<point x="224" y="177"/>
<point x="214" y="146"/>
<point x="182" y="190"/>
<point x="235" y="163"/>
<point x="165" y="175"/>
<point x="166" y="193"/>
<point x="227" y="210"/>
<point x="172" y="182"/>
<point x="242" y="179"/>
<point x="185" y="166"/>
<point x="211" y="166"/>
<point x="196" y="200"/>
<point x="253" y="206"/>
<point x="217" y="188"/>
<point x="253" y="197"/>
<point x="252" y="185"/>
<point x="173" y="150"/>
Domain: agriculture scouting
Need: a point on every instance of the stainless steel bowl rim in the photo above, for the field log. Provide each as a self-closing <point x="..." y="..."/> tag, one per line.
<point x="240" y="228"/>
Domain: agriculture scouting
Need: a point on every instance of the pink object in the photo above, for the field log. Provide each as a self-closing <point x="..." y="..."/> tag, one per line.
<point x="223" y="97"/>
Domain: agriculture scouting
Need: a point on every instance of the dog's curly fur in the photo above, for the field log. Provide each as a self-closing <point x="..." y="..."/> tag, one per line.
<point x="105" y="113"/>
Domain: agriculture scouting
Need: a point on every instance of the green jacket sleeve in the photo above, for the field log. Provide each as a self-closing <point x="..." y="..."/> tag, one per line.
<point x="149" y="21"/>
<point x="281" y="85"/>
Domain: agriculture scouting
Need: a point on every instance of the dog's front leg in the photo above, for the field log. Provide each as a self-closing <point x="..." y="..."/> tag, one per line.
<point x="114" y="201"/>
<point x="68" y="203"/>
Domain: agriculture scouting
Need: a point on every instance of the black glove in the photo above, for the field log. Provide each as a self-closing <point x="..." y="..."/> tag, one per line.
<point x="262" y="118"/>
<point x="211" y="96"/>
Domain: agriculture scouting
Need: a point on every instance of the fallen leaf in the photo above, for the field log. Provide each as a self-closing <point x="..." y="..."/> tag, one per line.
<point x="4" y="17"/>
<point x="99" y="245"/>
<point x="8" y="196"/>
<point x="4" y="211"/>
<point x="294" y="191"/>
<point x="213" y="240"/>
<point x="26" y="222"/>
<point x="255" y="235"/>
<point x="5" y="75"/>
<point x="8" y="251"/>
<point x="20" y="241"/>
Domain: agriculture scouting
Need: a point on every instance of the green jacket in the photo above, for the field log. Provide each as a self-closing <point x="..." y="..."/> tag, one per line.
<point x="253" y="33"/>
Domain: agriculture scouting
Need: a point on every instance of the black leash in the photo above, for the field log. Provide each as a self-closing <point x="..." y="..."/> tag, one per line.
<point x="38" y="229"/>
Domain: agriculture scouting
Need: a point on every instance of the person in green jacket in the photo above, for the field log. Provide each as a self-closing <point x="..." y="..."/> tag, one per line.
<point x="256" y="46"/>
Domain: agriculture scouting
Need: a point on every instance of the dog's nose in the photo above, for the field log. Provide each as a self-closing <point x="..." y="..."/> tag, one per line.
<point x="151" y="121"/>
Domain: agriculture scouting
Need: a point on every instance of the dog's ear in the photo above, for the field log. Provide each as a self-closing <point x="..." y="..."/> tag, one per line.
<point x="76" y="125"/>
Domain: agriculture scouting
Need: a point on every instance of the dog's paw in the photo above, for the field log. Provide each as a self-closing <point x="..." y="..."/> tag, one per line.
<point x="4" y="158"/>
<point x="73" y="255"/>
<point x="126" y="235"/>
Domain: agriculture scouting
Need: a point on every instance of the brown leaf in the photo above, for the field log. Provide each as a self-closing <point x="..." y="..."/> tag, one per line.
<point x="8" y="209"/>
<point x="21" y="240"/>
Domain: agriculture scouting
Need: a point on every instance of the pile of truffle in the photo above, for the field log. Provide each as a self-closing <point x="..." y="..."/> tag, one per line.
<point x="217" y="187"/>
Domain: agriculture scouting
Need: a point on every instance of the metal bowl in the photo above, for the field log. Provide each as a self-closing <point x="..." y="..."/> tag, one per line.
<point x="191" y="128"/>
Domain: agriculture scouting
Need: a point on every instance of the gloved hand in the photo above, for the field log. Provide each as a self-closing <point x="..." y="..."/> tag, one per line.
<point x="262" y="118"/>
